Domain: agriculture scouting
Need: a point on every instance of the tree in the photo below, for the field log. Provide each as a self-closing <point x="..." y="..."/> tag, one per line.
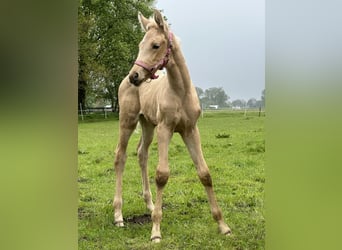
<point x="87" y="51"/>
<point x="215" y="96"/>
<point x="263" y="98"/>
<point x="109" y="33"/>
<point x="200" y="95"/>
<point x="200" y="92"/>
<point x="252" y="103"/>
<point x="239" y="103"/>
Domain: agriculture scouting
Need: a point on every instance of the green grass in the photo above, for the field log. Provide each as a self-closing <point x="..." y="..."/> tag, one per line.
<point x="234" y="148"/>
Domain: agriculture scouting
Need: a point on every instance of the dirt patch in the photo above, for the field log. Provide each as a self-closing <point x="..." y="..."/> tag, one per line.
<point x="84" y="213"/>
<point x="139" y="219"/>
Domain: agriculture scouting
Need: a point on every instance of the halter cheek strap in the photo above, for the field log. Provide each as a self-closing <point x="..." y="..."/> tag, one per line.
<point x="152" y="69"/>
<point x="161" y="64"/>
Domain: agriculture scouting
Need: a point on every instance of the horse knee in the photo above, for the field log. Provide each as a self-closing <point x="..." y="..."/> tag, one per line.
<point x="162" y="177"/>
<point x="205" y="178"/>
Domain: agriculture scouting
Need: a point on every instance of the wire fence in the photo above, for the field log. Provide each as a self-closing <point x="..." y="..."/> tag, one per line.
<point x="106" y="113"/>
<point x="95" y="112"/>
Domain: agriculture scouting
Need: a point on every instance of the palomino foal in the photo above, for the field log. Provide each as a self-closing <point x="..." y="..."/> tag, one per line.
<point x="170" y="104"/>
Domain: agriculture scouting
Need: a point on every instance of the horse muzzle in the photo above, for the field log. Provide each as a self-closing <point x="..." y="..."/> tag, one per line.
<point x="134" y="78"/>
<point x="137" y="76"/>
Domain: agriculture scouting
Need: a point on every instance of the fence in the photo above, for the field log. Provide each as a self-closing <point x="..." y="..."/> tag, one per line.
<point x="88" y="111"/>
<point x="105" y="112"/>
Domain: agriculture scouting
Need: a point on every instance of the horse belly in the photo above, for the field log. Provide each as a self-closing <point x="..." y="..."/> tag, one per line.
<point x="187" y="121"/>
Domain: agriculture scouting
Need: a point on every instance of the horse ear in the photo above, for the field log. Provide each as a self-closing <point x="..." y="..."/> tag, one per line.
<point x="143" y="21"/>
<point x="159" y="19"/>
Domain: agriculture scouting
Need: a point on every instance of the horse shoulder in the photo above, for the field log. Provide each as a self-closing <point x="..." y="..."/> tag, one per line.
<point x="129" y="102"/>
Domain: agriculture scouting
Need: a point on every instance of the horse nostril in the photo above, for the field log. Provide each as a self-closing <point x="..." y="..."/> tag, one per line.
<point x="134" y="78"/>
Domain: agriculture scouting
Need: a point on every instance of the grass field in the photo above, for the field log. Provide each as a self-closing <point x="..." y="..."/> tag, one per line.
<point x="234" y="148"/>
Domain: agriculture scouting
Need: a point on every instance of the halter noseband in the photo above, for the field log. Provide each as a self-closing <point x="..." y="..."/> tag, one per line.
<point x="161" y="64"/>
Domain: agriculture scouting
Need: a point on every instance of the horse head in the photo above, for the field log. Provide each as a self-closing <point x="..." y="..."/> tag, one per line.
<point x="154" y="49"/>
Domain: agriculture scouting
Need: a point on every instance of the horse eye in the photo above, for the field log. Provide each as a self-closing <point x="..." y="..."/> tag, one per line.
<point x="155" y="46"/>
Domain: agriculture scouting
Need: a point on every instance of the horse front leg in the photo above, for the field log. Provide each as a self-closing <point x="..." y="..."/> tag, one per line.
<point x="193" y="143"/>
<point x="164" y="135"/>
<point x="119" y="165"/>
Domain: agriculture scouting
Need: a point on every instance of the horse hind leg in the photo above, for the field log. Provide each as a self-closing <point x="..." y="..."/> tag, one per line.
<point x="145" y="142"/>
<point x="192" y="141"/>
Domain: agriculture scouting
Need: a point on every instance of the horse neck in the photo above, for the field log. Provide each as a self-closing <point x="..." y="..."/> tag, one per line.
<point x="177" y="72"/>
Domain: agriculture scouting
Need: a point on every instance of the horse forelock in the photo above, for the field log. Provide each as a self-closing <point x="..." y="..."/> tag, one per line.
<point x="152" y="24"/>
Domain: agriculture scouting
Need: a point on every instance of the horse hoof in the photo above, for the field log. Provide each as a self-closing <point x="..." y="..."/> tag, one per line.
<point x="156" y="239"/>
<point x="228" y="233"/>
<point x="119" y="223"/>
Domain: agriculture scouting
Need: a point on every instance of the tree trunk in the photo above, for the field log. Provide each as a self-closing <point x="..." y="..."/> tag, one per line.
<point x="82" y="83"/>
<point x="81" y="92"/>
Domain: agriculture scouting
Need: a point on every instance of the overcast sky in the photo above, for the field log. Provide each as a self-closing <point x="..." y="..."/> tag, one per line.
<point x="223" y="42"/>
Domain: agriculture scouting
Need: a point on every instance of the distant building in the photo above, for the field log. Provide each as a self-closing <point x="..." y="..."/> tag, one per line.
<point x="236" y="108"/>
<point x="213" y="106"/>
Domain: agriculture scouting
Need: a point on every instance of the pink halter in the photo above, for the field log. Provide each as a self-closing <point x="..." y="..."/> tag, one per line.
<point x="161" y="64"/>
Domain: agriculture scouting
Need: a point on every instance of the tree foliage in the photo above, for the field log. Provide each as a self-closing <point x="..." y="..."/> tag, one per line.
<point x="215" y="96"/>
<point x="239" y="103"/>
<point x="200" y="92"/>
<point x="212" y="96"/>
<point x="252" y="103"/>
<point x="109" y="33"/>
